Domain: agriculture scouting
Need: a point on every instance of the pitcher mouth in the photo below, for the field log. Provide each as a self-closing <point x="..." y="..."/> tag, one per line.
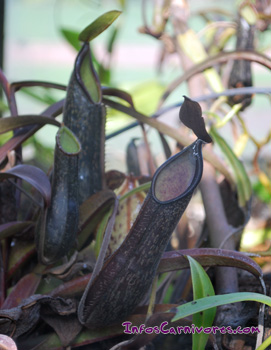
<point x="168" y="186"/>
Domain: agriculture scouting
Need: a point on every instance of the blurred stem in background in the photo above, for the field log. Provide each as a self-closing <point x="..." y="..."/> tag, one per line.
<point x="2" y="29"/>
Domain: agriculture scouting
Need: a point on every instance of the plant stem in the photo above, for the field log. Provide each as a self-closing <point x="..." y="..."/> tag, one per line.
<point x="2" y="31"/>
<point x="226" y="278"/>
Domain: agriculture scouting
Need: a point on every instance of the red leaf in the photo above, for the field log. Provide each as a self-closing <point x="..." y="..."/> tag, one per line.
<point x="12" y="228"/>
<point x="26" y="287"/>
<point x="20" y="253"/>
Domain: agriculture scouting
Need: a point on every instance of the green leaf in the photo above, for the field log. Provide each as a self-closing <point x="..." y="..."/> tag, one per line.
<point x="235" y="109"/>
<point x="217" y="300"/>
<point x="265" y="344"/>
<point x="241" y="144"/>
<point x="138" y="189"/>
<point x="261" y="192"/>
<point x="23" y="289"/>
<point x="72" y="38"/>
<point x="112" y="40"/>
<point x="99" y="25"/>
<point x="249" y="14"/>
<point x="244" y="189"/>
<point x="104" y="74"/>
<point x="202" y="287"/>
<point x="3" y="106"/>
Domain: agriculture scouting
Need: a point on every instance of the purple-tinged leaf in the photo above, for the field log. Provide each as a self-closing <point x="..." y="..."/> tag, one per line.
<point x="118" y="93"/>
<point x="71" y="288"/>
<point x="191" y="115"/>
<point x="11" y="123"/>
<point x="4" y="83"/>
<point x="165" y="145"/>
<point x="16" y="86"/>
<point x="2" y="277"/>
<point x="10" y="229"/>
<point x="175" y="260"/>
<point x="20" y="254"/>
<point x="52" y="111"/>
<point x="8" y="205"/>
<point x="98" y="26"/>
<point x="34" y="176"/>
<point x="67" y="328"/>
<point x="26" y="287"/>
<point x="8" y="93"/>
<point x="91" y="213"/>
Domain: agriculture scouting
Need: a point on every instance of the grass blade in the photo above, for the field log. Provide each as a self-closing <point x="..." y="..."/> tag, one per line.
<point x="202" y="287"/>
<point x="217" y="300"/>
<point x="242" y="180"/>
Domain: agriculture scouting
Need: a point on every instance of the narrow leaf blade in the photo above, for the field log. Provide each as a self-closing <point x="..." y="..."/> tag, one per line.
<point x="118" y="93"/>
<point x="175" y="260"/>
<point x="202" y="287"/>
<point x="98" y="26"/>
<point x="52" y="111"/>
<point x="72" y="38"/>
<point x="33" y="175"/>
<point x="26" y="287"/>
<point x="218" y="300"/>
<point x="242" y="180"/>
<point x="12" y="228"/>
<point x="11" y="123"/>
